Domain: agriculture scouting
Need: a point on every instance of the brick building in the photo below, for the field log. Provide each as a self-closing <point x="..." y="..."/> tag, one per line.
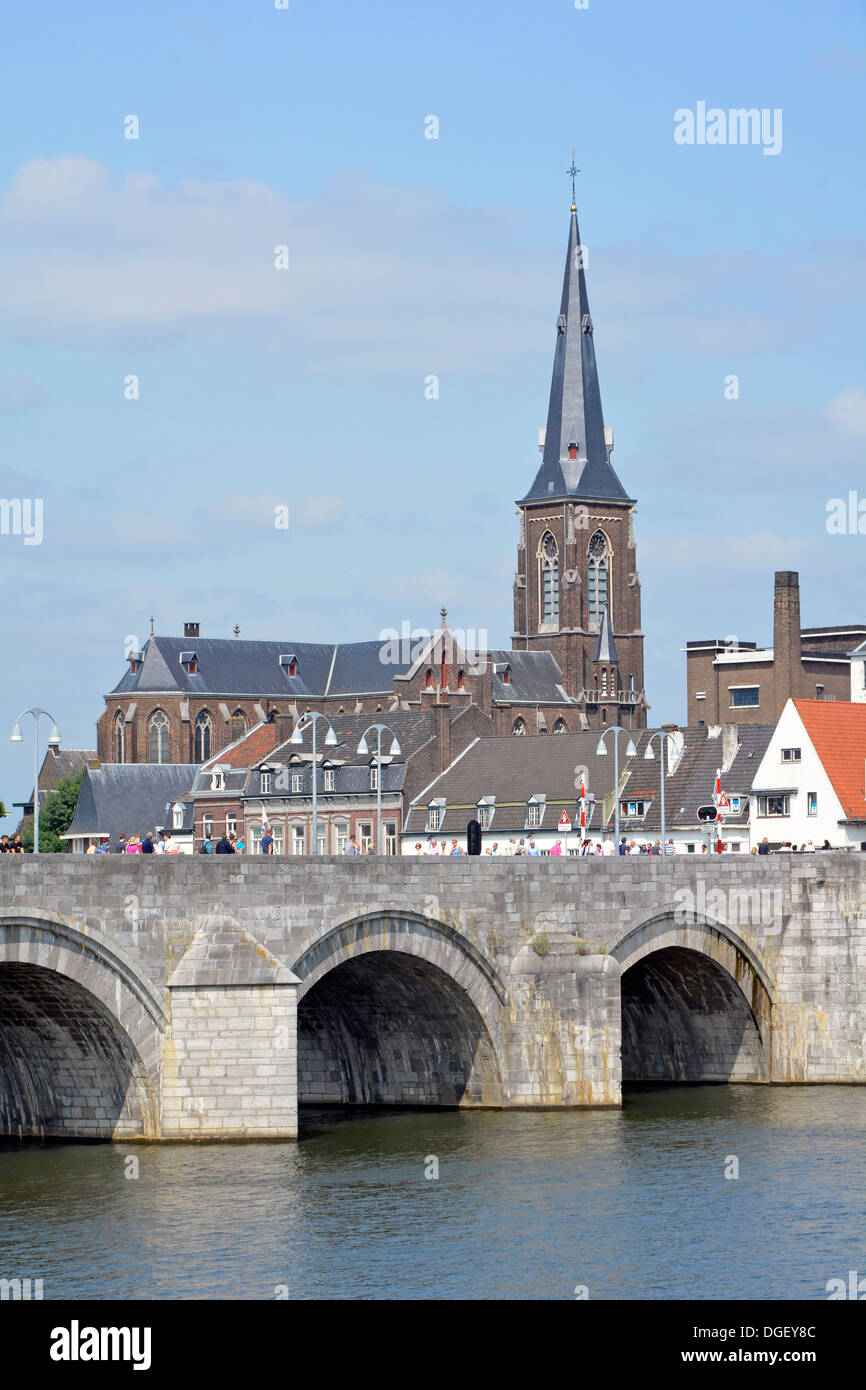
<point x="576" y="588"/>
<point x="734" y="682"/>
<point x="577" y="655"/>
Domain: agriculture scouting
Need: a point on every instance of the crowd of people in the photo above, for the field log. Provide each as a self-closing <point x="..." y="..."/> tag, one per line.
<point x="606" y="848"/>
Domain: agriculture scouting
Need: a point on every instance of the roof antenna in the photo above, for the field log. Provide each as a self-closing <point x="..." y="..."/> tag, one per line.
<point x="573" y="170"/>
<point x="151" y="625"/>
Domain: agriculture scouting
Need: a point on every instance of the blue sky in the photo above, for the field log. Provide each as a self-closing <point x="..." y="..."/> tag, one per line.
<point x="411" y="257"/>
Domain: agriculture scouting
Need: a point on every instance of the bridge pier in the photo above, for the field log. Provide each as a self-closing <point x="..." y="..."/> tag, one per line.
<point x="230" y="1054"/>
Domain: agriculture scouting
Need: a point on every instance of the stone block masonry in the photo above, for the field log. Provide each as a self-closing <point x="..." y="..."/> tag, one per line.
<point x="201" y="998"/>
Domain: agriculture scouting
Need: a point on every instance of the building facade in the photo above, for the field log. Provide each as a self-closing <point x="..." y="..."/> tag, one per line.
<point x="576" y="586"/>
<point x="734" y="682"/>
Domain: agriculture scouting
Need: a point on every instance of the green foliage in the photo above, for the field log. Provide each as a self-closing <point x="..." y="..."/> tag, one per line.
<point x="55" y="816"/>
<point x="541" y="944"/>
<point x="2" y="809"/>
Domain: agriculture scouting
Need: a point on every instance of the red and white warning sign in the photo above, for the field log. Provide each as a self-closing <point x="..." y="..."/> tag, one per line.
<point x="564" y="822"/>
<point x="723" y="804"/>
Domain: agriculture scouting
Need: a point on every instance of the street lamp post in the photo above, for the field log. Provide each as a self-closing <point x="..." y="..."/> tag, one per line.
<point x="601" y="751"/>
<point x="363" y="747"/>
<point x="661" y="735"/>
<point x="311" y="719"/>
<point x="16" y="736"/>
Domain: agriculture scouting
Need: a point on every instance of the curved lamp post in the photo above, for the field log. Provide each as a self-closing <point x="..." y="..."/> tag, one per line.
<point x="16" y="736"/>
<point x="311" y="720"/>
<point x="601" y="751"/>
<point x="661" y="736"/>
<point x="363" y="747"/>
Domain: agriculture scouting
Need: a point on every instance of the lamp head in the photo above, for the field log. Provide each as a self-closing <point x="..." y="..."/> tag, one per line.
<point x="54" y="737"/>
<point x="601" y="750"/>
<point x="650" y="751"/>
<point x="395" y="749"/>
<point x="362" y="746"/>
<point x="631" y="751"/>
<point x="16" y="735"/>
<point x="297" y="735"/>
<point x="330" y="737"/>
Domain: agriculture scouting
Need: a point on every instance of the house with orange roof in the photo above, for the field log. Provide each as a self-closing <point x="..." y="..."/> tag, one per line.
<point x="810" y="786"/>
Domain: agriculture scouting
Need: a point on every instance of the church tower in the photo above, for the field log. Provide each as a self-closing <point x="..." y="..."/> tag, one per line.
<point x="576" y="590"/>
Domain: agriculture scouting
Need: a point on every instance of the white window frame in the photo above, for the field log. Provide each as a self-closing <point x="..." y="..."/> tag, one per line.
<point x="792" y="755"/>
<point x="764" y="802"/>
<point x="265" y="783"/>
<point x="329" y="779"/>
<point x="811" y="803"/>
<point x="297" y="781"/>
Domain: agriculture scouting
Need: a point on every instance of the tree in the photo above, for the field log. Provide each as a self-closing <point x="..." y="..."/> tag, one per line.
<point x="55" y="816"/>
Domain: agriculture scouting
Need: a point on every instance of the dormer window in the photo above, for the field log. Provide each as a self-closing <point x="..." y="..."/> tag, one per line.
<point x="374" y="777"/>
<point x="486" y="808"/>
<point x="189" y="662"/>
<point x="436" y="813"/>
<point x="329" y="779"/>
<point x="265" y="784"/>
<point x="535" y="811"/>
<point x="177" y="817"/>
<point x="218" y="781"/>
<point x="289" y="663"/>
<point x="135" y="660"/>
<point x="297" y="781"/>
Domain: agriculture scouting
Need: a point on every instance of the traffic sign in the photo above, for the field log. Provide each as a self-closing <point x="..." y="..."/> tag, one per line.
<point x="564" y="821"/>
<point x="723" y="803"/>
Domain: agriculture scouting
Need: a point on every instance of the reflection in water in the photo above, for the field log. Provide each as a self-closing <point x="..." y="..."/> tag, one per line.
<point x="632" y="1203"/>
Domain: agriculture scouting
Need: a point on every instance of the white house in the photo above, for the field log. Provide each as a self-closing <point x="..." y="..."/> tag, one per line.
<point x="811" y="782"/>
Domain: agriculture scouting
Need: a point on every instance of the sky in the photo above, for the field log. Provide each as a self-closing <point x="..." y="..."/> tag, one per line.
<point x="165" y="384"/>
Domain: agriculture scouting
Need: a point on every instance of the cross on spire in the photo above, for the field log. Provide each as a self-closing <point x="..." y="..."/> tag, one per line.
<point x="573" y="171"/>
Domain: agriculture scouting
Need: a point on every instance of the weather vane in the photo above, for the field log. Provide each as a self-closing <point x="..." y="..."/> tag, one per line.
<point x="573" y="170"/>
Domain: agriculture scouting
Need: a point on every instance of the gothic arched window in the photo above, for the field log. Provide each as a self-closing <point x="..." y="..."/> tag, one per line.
<point x="560" y="727"/>
<point x="203" y="737"/>
<point x="158" y="730"/>
<point x="596" y="584"/>
<point x="119" y="739"/>
<point x="518" y="727"/>
<point x="548" y="579"/>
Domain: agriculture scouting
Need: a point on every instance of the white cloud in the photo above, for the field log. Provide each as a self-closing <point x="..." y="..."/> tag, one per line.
<point x="380" y="279"/>
<point x="708" y="555"/>
<point x="848" y="412"/>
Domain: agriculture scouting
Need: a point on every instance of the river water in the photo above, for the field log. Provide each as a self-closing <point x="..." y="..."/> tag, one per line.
<point x="630" y="1203"/>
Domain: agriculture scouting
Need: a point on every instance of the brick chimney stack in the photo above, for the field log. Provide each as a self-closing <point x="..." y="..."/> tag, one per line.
<point x="442" y="732"/>
<point x="787" y="650"/>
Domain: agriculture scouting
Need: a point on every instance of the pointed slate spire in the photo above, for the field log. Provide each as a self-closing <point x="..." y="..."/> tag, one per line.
<point x="605" y="649"/>
<point x="576" y="459"/>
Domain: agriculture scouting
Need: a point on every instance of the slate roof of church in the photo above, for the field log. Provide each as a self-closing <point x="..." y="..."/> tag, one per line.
<point x="129" y="798"/>
<point x="574" y="412"/>
<point x="233" y="667"/>
<point x="237" y="668"/>
<point x="534" y="678"/>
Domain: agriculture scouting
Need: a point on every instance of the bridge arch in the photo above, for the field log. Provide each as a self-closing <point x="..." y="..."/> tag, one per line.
<point x="696" y="1003"/>
<point x="398" y="1009"/>
<point x="79" y="1035"/>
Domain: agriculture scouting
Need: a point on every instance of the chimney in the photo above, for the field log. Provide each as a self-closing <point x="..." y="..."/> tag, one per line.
<point x="190" y="629"/>
<point x="283" y="725"/>
<point x="442" y="733"/>
<point x="787" y="653"/>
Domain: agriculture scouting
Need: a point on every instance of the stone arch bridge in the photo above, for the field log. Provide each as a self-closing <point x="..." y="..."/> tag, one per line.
<point x="205" y="998"/>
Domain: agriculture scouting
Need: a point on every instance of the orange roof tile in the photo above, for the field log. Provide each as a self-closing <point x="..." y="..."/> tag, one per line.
<point x="250" y="750"/>
<point x="838" y="732"/>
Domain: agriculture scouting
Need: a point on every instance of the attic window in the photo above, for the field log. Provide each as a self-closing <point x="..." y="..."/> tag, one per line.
<point x="218" y="782"/>
<point x="189" y="661"/>
<point x="289" y="662"/>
